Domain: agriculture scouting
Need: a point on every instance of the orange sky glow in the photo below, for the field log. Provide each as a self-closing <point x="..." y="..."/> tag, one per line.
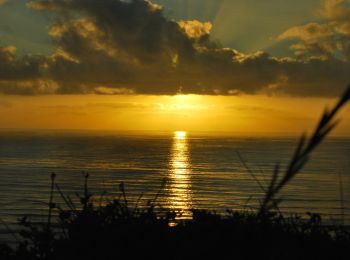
<point x="240" y="115"/>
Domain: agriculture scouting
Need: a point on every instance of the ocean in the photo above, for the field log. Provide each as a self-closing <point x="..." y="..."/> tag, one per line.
<point x="200" y="171"/>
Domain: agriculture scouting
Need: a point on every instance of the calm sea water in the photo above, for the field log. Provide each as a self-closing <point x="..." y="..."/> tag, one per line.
<point x="200" y="171"/>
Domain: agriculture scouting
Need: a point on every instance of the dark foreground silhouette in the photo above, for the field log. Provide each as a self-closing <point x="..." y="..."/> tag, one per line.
<point x="116" y="230"/>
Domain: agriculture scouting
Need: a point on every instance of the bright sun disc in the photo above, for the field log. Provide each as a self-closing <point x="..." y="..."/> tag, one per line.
<point x="180" y="134"/>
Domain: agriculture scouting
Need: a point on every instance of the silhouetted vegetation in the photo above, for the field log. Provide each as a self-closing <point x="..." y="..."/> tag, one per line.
<point x="106" y="227"/>
<point x="301" y="155"/>
<point x="118" y="230"/>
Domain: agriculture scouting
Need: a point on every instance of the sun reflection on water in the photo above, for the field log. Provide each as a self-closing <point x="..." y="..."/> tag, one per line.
<point x="180" y="197"/>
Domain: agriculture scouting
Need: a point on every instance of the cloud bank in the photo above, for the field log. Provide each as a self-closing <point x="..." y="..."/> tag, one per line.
<point x="118" y="47"/>
<point x="330" y="39"/>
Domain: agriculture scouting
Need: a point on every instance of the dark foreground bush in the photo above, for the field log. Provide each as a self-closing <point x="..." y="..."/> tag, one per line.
<point x="115" y="231"/>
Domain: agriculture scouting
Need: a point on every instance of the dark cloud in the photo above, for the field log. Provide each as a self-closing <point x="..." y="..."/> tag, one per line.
<point x="129" y="47"/>
<point x="23" y="75"/>
<point x="14" y="68"/>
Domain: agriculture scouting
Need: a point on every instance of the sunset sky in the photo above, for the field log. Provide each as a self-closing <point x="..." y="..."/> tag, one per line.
<point x="233" y="66"/>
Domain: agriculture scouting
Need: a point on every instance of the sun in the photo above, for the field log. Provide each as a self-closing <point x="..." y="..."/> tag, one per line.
<point x="181" y="103"/>
<point x="180" y="135"/>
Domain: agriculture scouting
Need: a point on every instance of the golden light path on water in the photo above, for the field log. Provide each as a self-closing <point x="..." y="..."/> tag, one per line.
<point x="180" y="194"/>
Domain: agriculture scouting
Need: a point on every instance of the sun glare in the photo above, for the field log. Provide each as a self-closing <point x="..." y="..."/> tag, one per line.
<point x="182" y="103"/>
<point x="180" y="174"/>
<point x="180" y="135"/>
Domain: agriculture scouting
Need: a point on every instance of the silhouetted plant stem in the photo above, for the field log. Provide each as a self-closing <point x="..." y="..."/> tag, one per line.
<point x="86" y="177"/>
<point x="51" y="205"/>
<point x="301" y="155"/>
<point x="122" y="190"/>
<point x="250" y="171"/>
<point x="67" y="201"/>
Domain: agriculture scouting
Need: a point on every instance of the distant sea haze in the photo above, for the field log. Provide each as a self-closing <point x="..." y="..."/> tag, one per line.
<point x="200" y="171"/>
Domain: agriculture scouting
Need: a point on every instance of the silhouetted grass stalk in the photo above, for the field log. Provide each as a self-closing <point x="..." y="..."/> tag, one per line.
<point x="301" y="155"/>
<point x="51" y="204"/>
